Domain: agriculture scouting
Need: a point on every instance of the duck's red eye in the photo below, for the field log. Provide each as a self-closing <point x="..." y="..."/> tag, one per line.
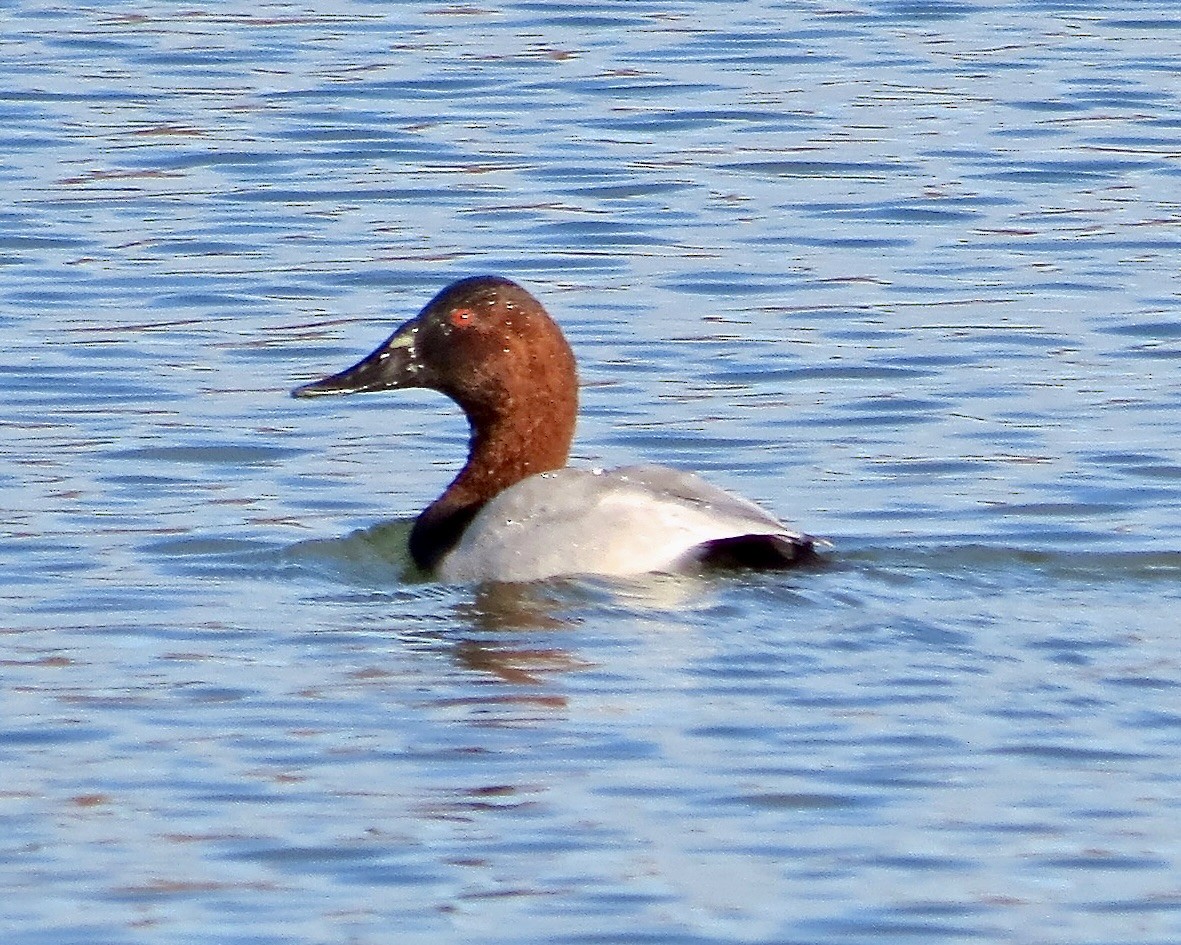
<point x="461" y="317"/>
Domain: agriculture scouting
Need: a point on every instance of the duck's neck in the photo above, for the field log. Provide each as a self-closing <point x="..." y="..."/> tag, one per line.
<point x="501" y="454"/>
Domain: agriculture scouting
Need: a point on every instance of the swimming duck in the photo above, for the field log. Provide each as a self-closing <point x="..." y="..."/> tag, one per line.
<point x="516" y="511"/>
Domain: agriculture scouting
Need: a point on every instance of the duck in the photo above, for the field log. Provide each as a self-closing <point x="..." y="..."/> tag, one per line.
<point x="516" y="512"/>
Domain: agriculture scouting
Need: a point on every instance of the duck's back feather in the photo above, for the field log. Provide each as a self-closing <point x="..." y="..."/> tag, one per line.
<point x="619" y="522"/>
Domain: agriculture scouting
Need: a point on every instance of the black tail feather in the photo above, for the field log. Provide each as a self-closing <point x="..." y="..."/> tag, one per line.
<point x="760" y="552"/>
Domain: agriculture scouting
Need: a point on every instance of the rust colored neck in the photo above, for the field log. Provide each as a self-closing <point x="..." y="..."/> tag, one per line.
<point x="520" y="437"/>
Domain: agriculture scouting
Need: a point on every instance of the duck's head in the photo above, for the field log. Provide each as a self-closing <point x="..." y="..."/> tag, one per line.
<point x="491" y="347"/>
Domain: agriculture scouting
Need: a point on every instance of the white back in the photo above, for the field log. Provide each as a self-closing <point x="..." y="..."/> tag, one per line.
<point x="619" y="522"/>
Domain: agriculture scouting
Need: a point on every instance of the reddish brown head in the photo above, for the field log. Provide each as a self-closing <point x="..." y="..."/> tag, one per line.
<point x="490" y="346"/>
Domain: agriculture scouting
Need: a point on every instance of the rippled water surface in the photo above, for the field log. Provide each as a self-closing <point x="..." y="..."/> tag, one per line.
<point x="906" y="273"/>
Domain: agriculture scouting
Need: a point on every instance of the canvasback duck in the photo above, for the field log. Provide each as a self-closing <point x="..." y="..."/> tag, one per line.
<point x="516" y="511"/>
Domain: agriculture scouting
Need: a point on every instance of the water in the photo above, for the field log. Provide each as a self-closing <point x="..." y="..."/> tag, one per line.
<point x="904" y="272"/>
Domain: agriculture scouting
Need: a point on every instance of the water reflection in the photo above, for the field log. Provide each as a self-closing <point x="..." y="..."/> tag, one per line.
<point x="547" y="604"/>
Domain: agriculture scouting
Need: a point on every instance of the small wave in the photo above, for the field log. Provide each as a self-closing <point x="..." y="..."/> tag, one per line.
<point x="1086" y="565"/>
<point x="376" y="556"/>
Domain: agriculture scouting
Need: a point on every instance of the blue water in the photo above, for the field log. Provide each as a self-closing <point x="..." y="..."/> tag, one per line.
<point x="905" y="273"/>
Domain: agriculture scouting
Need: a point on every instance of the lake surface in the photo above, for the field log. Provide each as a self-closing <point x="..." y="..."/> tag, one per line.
<point x="905" y="273"/>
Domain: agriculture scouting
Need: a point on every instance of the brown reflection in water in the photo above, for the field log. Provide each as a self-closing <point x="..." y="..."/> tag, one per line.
<point x="499" y="610"/>
<point x="517" y="607"/>
<point x="526" y="666"/>
<point x="502" y="609"/>
<point x="465" y="804"/>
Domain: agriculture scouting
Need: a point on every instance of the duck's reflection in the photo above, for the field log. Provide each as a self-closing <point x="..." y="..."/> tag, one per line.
<point x="504" y="617"/>
<point x="519" y="665"/>
<point x="556" y="603"/>
<point x="498" y="616"/>
<point x="511" y="633"/>
<point x="542" y="605"/>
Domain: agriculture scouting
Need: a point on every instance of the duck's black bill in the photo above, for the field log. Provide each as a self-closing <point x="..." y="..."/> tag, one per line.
<point x="392" y="365"/>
